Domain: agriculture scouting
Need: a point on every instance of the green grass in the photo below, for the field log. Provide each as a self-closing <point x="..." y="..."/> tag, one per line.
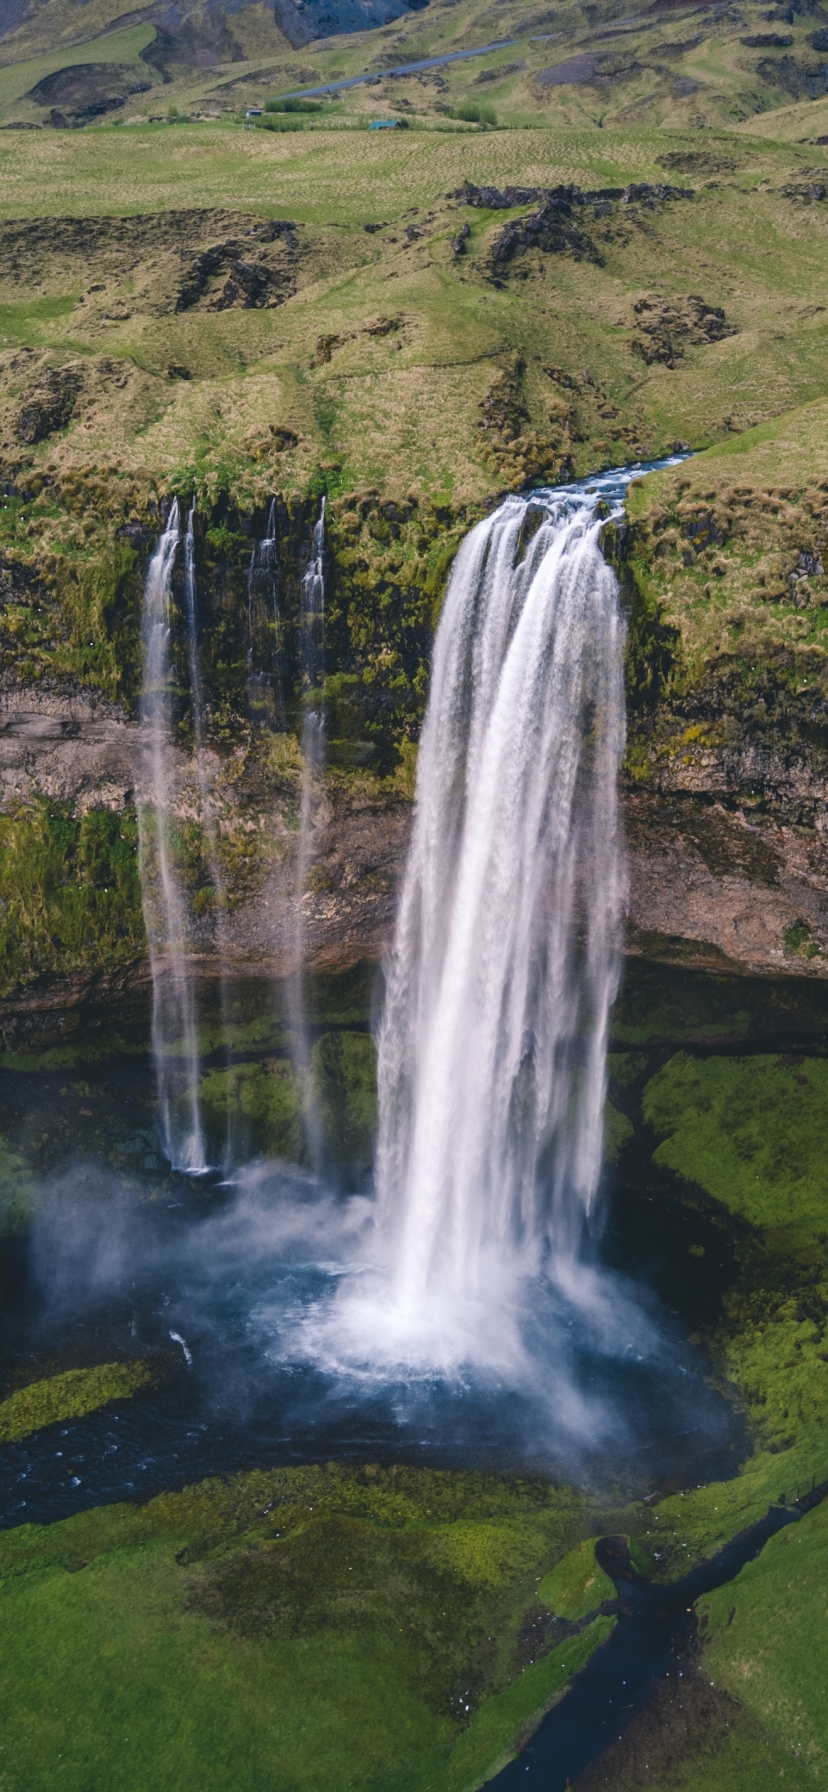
<point x="305" y="1628"/>
<point x="69" y="1396"/>
<point x="765" y="1643"/>
<point x="576" y="1586"/>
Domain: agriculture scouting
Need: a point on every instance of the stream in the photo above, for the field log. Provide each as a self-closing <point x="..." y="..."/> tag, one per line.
<point x="655" y="1625"/>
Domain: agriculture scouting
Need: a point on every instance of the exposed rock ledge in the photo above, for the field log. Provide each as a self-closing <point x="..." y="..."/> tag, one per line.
<point x="710" y="885"/>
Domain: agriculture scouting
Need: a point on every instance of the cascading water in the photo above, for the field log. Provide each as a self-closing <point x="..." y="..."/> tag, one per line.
<point x="174" y="1036"/>
<point x="312" y="645"/>
<point x="312" y="672"/>
<point x="492" y="1047"/>
<point x="265" y="692"/>
<point x="208" y="822"/>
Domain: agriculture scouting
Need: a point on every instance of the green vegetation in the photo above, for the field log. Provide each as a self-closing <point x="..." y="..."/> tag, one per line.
<point x="391" y="1601"/>
<point x="752" y="1131"/>
<point x="576" y="1586"/>
<point x="259" y="1106"/>
<point x="293" y="105"/>
<point x="764" y="1642"/>
<point x="69" y="1396"/>
<point x="344" y="1071"/>
<point x="69" y="892"/>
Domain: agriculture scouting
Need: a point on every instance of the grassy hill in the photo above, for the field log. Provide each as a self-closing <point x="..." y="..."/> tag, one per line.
<point x="685" y="65"/>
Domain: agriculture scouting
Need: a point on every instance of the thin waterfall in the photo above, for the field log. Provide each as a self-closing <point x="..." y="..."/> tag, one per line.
<point x="312" y="673"/>
<point x="174" y="1036"/>
<point x="208" y="823"/>
<point x="492" y="1048"/>
<point x="265" y="689"/>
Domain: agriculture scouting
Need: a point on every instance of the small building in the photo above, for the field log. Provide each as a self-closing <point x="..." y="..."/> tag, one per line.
<point x="388" y="124"/>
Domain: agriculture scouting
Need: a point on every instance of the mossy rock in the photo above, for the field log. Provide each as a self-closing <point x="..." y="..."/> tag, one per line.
<point x="258" y="1107"/>
<point x="752" y="1131"/>
<point x="618" y="1131"/>
<point x="69" y="1396"/>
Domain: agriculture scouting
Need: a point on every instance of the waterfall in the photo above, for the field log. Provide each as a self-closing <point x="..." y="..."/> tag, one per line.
<point x="265" y="692"/>
<point x="312" y="672"/>
<point x="174" y="1037"/>
<point x="505" y="961"/>
<point x="208" y="824"/>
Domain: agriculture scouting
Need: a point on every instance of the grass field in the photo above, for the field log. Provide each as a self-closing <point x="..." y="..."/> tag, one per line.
<point x="304" y="1628"/>
<point x="419" y="337"/>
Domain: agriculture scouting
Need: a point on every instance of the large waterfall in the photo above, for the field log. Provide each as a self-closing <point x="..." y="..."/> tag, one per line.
<point x="492" y="1047"/>
<point x="505" y="961"/>
<point x="174" y="1034"/>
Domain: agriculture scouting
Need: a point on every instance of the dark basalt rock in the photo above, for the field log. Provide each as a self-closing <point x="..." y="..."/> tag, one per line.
<point x="802" y="80"/>
<point x="253" y="281"/>
<point x="552" y="230"/>
<point x="767" y="40"/>
<point x="806" y="190"/>
<point x="667" y="327"/>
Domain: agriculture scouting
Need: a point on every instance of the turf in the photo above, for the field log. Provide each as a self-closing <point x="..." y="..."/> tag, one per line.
<point x="307" y="1628"/>
<point x="576" y="1586"/>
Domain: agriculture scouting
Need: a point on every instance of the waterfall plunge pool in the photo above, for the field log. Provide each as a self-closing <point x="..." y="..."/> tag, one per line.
<point x="125" y="1259"/>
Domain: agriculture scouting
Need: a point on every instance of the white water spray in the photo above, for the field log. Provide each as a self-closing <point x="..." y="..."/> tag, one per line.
<point x="492" y="1049"/>
<point x="312" y="672"/>
<point x="208" y="820"/>
<point x="174" y="1037"/>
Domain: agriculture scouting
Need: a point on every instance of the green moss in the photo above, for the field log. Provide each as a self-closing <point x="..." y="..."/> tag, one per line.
<point x="17" y="1190"/>
<point x="618" y="1131"/>
<point x="69" y="892"/>
<point x="751" y="1131"/>
<point x="69" y="1396"/>
<point x="624" y="1068"/>
<point x="259" y="1106"/>
<point x="500" y="1727"/>
<point x="344" y="1071"/>
<point x="321" y="1626"/>
<point x="576" y="1586"/>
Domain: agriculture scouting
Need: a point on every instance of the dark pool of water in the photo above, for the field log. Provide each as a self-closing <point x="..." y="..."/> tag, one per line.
<point x="195" y="1280"/>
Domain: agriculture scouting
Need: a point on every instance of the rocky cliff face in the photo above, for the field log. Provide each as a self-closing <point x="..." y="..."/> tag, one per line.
<point x="725" y="775"/>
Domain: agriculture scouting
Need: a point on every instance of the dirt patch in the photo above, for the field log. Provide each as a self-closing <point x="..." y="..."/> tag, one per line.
<point x="574" y="72"/>
<point x="698" y="162"/>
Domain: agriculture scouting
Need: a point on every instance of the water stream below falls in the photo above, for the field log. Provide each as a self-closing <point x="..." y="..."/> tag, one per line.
<point x="654" y="1630"/>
